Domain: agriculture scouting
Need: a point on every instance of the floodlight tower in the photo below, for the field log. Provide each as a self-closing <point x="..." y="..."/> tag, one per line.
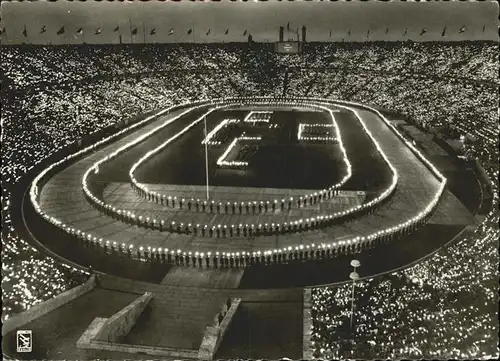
<point x="354" y="276"/>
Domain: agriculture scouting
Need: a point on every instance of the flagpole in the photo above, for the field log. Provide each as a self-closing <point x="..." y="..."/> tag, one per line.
<point x="131" y="36"/>
<point x="193" y="43"/>
<point x="26" y="34"/>
<point x="206" y="154"/>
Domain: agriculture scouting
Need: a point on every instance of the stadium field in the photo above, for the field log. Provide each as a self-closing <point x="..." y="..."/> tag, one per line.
<point x="415" y="187"/>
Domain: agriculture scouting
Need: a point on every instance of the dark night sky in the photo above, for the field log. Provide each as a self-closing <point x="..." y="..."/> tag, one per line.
<point x="262" y="20"/>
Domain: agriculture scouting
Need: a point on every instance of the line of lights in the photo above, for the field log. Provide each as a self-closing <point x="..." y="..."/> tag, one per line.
<point x="317" y="220"/>
<point x="265" y="117"/>
<point x="208" y="139"/>
<point x="317" y="196"/>
<point x="221" y="162"/>
<point x="34" y="185"/>
<point x="355" y="242"/>
<point x="302" y="127"/>
<point x="301" y="224"/>
<point x="318" y="125"/>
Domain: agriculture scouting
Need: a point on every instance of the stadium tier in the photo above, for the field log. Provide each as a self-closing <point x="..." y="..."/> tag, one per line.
<point x="341" y="151"/>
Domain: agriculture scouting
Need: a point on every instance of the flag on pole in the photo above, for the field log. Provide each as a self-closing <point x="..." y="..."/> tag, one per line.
<point x="171" y="31"/>
<point x="368" y="33"/>
<point x="330" y="33"/>
<point x="245" y="33"/>
<point x="423" y="31"/>
<point x="61" y="30"/>
<point x="116" y="29"/>
<point x="134" y="32"/>
<point x="98" y="31"/>
<point x="444" y="31"/>
<point x="80" y="31"/>
<point x="288" y="26"/>
<point x="406" y="32"/>
<point x="25" y="32"/>
<point x="43" y="29"/>
<point x="484" y="28"/>
<point x="152" y="32"/>
<point x="386" y="30"/>
<point x="227" y="31"/>
<point x="462" y="29"/>
<point x="190" y="31"/>
<point x="349" y="32"/>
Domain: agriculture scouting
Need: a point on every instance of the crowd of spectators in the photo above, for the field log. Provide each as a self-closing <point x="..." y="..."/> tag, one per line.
<point x="446" y="306"/>
<point x="29" y="277"/>
<point x="443" y="307"/>
<point x="54" y="96"/>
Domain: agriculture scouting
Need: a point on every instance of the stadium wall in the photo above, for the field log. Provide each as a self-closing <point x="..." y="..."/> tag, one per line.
<point x="43" y="308"/>
<point x="228" y="21"/>
<point x="119" y="325"/>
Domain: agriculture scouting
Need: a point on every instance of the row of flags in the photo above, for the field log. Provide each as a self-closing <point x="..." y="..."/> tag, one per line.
<point x="134" y="31"/>
<point x="422" y="31"/>
<point x="98" y="31"/>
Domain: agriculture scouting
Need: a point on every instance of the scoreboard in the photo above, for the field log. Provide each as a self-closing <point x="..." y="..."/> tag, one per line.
<point x="287" y="47"/>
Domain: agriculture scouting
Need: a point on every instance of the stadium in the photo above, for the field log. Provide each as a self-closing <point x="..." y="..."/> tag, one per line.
<point x="223" y="192"/>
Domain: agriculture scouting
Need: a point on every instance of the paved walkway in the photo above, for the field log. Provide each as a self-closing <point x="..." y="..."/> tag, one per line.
<point x="179" y="314"/>
<point x="122" y="195"/>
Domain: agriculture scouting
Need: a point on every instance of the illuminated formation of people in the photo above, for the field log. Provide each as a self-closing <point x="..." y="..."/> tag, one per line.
<point x="46" y="108"/>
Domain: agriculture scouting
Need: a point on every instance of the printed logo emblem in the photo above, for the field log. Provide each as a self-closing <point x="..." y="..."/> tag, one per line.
<point x="24" y="340"/>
